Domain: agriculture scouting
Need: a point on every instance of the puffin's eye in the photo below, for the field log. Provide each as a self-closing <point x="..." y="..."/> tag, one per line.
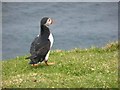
<point x="49" y="20"/>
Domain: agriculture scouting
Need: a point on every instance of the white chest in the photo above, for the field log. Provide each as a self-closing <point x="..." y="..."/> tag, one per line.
<point x="51" y="39"/>
<point x="51" y="43"/>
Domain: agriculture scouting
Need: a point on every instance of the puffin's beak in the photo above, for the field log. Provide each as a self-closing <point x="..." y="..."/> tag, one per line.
<point x="52" y="21"/>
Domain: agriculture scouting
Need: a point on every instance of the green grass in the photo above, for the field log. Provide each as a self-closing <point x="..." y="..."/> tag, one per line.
<point x="77" y="68"/>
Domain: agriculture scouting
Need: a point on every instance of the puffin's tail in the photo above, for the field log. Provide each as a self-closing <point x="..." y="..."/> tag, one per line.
<point x="27" y="58"/>
<point x="31" y="57"/>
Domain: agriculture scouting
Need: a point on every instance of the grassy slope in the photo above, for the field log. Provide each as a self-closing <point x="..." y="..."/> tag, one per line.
<point x="87" y="68"/>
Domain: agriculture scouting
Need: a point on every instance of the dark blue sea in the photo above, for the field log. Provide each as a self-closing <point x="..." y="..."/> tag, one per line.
<point x="76" y="25"/>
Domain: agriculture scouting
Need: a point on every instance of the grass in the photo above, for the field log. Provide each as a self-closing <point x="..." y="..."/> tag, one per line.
<point x="77" y="68"/>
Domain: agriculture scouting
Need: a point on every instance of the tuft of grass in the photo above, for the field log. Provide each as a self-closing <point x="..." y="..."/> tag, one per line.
<point x="112" y="46"/>
<point x="77" y="68"/>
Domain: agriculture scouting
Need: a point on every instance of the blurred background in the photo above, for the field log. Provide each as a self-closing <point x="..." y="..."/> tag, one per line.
<point x="77" y="25"/>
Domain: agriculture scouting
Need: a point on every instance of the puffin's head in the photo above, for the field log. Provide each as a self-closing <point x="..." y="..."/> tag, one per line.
<point x="46" y="21"/>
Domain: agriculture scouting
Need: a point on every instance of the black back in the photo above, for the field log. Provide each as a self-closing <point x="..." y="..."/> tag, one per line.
<point x="40" y="46"/>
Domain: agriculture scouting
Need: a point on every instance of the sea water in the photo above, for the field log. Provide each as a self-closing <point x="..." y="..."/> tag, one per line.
<point x="76" y="25"/>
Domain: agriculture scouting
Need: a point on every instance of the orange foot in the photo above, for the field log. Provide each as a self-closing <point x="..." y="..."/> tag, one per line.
<point x="52" y="63"/>
<point x="49" y="63"/>
<point x="35" y="65"/>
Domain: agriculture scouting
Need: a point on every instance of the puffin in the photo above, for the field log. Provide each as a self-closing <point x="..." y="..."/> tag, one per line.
<point x="42" y="44"/>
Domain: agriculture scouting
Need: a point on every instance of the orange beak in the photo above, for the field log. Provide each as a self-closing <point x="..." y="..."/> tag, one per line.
<point x="52" y="21"/>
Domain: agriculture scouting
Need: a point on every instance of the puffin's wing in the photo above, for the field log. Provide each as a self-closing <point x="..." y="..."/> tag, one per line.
<point x="33" y="45"/>
<point x="43" y="48"/>
<point x="40" y="47"/>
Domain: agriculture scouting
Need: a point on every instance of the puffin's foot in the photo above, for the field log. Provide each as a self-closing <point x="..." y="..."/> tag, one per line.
<point x="49" y="63"/>
<point x="34" y="65"/>
<point x="52" y="63"/>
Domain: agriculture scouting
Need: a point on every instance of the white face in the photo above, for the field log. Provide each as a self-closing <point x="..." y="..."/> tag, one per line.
<point x="49" y="22"/>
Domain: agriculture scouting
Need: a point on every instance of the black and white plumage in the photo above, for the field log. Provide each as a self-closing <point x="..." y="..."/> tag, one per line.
<point x="40" y="47"/>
